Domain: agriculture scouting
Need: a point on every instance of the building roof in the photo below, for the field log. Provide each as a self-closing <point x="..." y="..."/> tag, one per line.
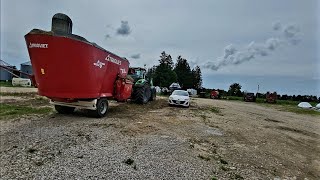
<point x="26" y="63"/>
<point x="3" y="63"/>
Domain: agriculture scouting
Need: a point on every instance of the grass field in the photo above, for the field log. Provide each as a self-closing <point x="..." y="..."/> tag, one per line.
<point x="9" y="84"/>
<point x="8" y="111"/>
<point x="18" y="104"/>
<point x="284" y="105"/>
<point x="5" y="84"/>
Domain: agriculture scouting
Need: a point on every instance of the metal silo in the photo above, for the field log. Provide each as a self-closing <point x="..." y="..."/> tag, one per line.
<point x="26" y="68"/>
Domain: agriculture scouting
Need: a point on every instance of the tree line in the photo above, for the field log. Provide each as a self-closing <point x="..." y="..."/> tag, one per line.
<point x="235" y="90"/>
<point x="168" y="72"/>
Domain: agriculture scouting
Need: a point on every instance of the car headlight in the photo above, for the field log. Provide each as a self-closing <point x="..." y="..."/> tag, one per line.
<point x="170" y="98"/>
<point x="186" y="99"/>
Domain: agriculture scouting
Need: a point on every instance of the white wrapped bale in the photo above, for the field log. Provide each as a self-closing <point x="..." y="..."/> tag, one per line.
<point x="21" y="82"/>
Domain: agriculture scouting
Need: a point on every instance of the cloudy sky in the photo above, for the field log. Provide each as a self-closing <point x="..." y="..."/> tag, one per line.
<point x="271" y="43"/>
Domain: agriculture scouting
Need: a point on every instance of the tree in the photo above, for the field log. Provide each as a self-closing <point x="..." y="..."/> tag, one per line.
<point x="164" y="74"/>
<point x="196" y="77"/>
<point x="166" y="59"/>
<point x="222" y="92"/>
<point x="151" y="72"/>
<point x="235" y="89"/>
<point x="284" y="97"/>
<point x="294" y="98"/>
<point x="183" y="72"/>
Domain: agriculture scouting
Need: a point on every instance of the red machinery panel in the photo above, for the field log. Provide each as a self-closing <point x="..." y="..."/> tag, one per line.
<point x="65" y="67"/>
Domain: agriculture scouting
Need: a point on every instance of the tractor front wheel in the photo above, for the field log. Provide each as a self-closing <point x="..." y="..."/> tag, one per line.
<point x="142" y="94"/>
<point x="102" y="108"/>
<point x="64" y="109"/>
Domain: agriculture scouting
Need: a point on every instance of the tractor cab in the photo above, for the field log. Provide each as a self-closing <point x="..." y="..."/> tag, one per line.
<point x="137" y="73"/>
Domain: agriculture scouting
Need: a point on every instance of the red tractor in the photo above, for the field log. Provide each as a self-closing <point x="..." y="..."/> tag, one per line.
<point x="74" y="72"/>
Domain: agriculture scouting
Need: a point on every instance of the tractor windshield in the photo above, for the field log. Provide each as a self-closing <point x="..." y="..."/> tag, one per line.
<point x="137" y="73"/>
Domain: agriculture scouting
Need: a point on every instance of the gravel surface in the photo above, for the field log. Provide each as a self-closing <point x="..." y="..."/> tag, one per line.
<point x="212" y="138"/>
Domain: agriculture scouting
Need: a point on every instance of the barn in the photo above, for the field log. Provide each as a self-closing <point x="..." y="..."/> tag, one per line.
<point x="5" y="75"/>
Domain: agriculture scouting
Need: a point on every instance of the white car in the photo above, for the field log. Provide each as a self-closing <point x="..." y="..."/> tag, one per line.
<point x="180" y="98"/>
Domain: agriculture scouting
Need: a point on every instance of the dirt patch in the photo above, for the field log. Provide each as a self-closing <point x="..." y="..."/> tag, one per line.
<point x="272" y="120"/>
<point x="11" y="99"/>
<point x="17" y="90"/>
<point x="296" y="131"/>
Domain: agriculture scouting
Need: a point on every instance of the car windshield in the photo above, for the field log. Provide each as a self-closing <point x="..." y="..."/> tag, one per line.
<point x="180" y="93"/>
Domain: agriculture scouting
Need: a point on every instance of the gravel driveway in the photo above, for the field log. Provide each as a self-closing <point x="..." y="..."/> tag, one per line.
<point x="211" y="139"/>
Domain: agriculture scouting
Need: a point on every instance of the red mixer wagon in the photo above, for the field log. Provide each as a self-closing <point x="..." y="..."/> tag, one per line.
<point x="74" y="72"/>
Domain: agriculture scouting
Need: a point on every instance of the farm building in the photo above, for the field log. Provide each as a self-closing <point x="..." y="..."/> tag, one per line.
<point x="5" y="75"/>
<point x="26" y="68"/>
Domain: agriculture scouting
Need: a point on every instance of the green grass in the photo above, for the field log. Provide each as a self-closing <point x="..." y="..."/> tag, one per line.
<point x="298" y="110"/>
<point x="5" y="84"/>
<point x="163" y="95"/>
<point x="294" y="103"/>
<point x="10" y="111"/>
<point x="215" y="110"/>
<point x="262" y="100"/>
<point x="9" y="84"/>
<point x="283" y="105"/>
<point x="234" y="98"/>
<point x="204" y="117"/>
<point x="291" y="106"/>
<point x="202" y="112"/>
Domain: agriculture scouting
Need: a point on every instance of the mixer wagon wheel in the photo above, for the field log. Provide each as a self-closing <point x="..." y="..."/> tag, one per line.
<point x="64" y="109"/>
<point x="142" y="94"/>
<point x="102" y="108"/>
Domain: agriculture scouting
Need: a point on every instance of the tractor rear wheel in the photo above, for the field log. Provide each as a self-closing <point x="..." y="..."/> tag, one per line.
<point x="142" y="94"/>
<point x="102" y="108"/>
<point x="64" y="109"/>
